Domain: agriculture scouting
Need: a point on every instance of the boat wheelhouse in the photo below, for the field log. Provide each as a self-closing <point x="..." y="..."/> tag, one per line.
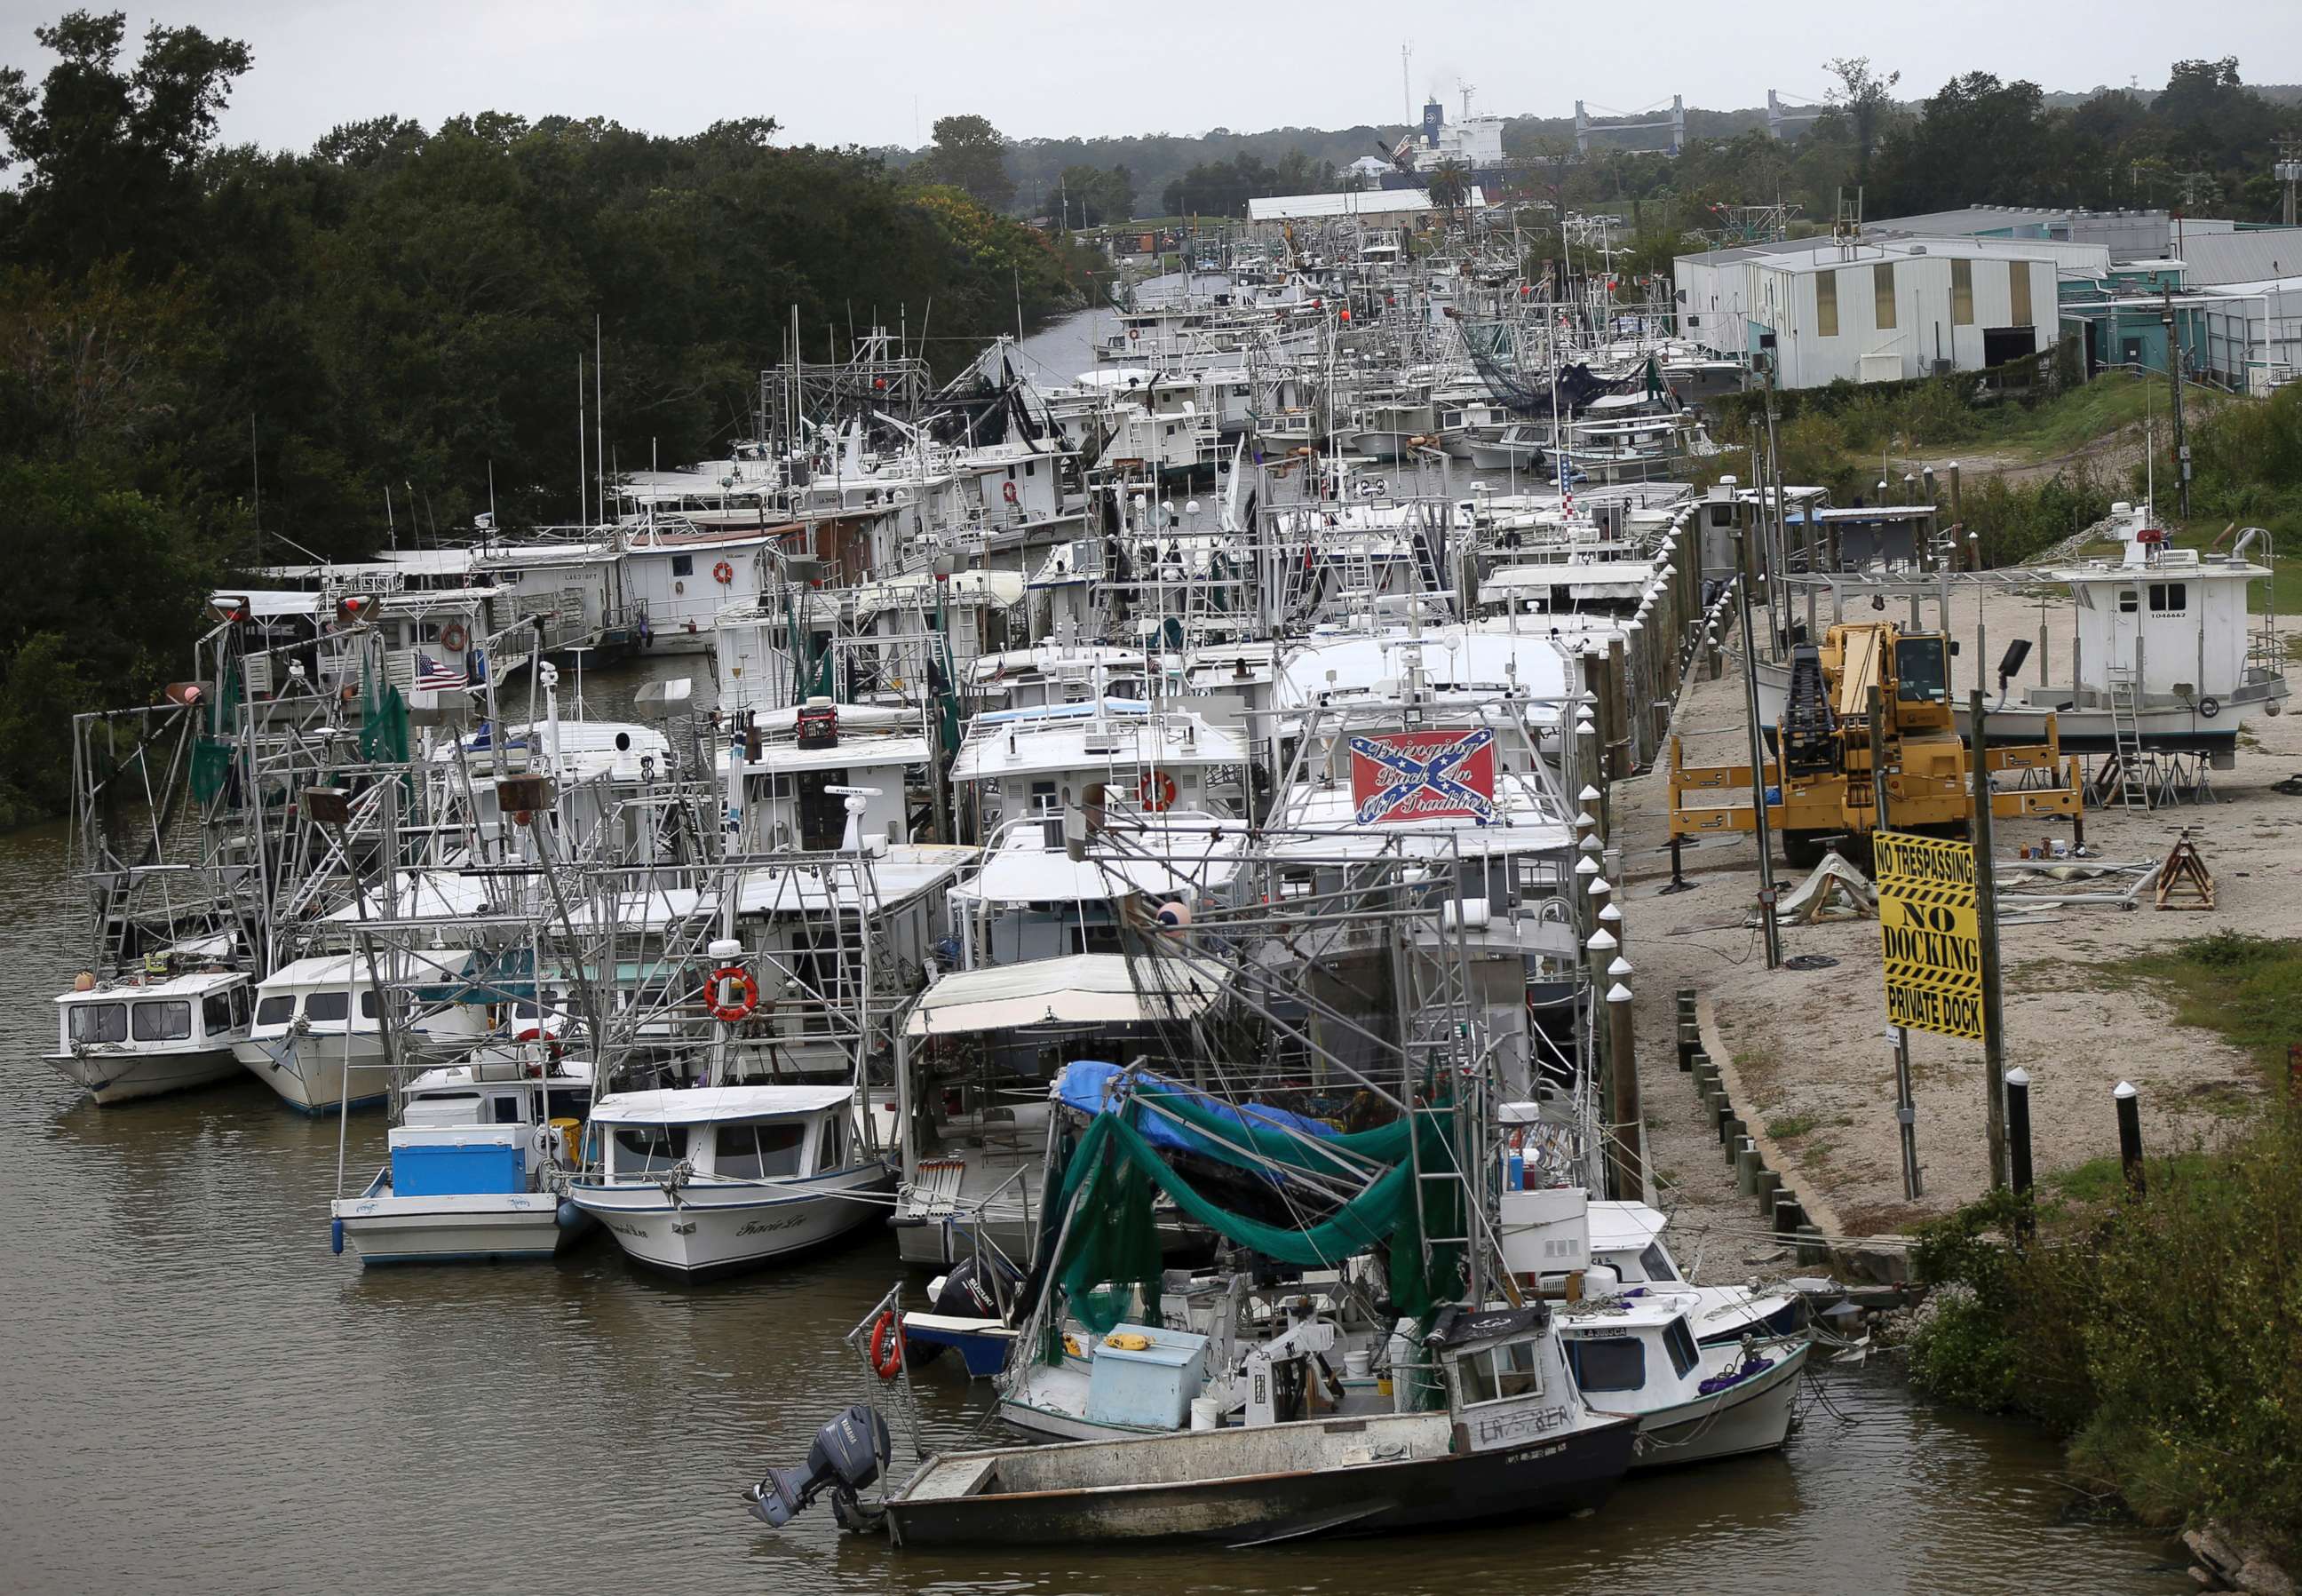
<point x="147" y="1035"/>
<point x="706" y="1181"/>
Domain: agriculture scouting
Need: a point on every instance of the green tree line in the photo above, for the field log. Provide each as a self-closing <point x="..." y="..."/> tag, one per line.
<point x="210" y="355"/>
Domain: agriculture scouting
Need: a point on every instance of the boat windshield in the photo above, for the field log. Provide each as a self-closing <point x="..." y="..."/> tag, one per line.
<point x="278" y="1009"/>
<point x="163" y="1022"/>
<point x="100" y="1022"/>
<point x="759" y="1152"/>
<point x="1607" y="1364"/>
<point x="1512" y="1370"/>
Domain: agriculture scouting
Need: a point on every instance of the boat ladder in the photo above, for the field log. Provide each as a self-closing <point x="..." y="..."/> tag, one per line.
<point x="2126" y="774"/>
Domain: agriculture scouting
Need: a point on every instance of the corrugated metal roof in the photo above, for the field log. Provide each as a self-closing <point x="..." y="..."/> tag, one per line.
<point x="2257" y="256"/>
<point x="1366" y="202"/>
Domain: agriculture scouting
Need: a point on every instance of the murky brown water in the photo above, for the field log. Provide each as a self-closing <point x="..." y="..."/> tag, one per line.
<point x="195" y="1395"/>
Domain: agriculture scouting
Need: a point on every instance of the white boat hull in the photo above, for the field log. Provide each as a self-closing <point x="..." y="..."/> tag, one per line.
<point x="475" y="1228"/>
<point x="307" y="1071"/>
<point x="117" y="1077"/>
<point x="716" y="1228"/>
<point x="1752" y="1416"/>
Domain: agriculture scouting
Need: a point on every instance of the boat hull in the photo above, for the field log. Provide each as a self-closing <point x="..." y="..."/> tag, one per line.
<point x="1751" y="1416"/>
<point x="716" y="1229"/>
<point x="110" y="1078"/>
<point x="474" y="1228"/>
<point x="307" y="1071"/>
<point x="1542" y="1477"/>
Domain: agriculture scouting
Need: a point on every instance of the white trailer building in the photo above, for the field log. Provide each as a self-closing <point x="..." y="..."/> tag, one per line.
<point x="1878" y="312"/>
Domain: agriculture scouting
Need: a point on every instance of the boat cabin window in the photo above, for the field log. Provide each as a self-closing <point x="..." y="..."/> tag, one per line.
<point x="1679" y="1342"/>
<point x="503" y="1108"/>
<point x="278" y="1009"/>
<point x="2130" y="600"/>
<point x="682" y="565"/>
<point x="833" y="1153"/>
<point x="639" y="1147"/>
<point x="567" y="1104"/>
<point x="759" y="1152"/>
<point x="2169" y="597"/>
<point x="163" y="1022"/>
<point x="1921" y="670"/>
<point x="100" y="1022"/>
<point x="332" y="1004"/>
<point x="1607" y="1364"/>
<point x="1657" y="1264"/>
<point x="216" y="1012"/>
<point x="240" y="999"/>
<point x="1512" y="1370"/>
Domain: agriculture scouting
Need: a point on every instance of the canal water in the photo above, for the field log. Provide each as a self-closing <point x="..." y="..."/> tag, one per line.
<point x="196" y="1395"/>
<point x="199" y="1397"/>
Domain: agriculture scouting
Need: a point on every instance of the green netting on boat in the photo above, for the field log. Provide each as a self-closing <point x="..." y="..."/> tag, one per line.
<point x="1348" y="1153"/>
<point x="1110" y="1252"/>
<point x="212" y="754"/>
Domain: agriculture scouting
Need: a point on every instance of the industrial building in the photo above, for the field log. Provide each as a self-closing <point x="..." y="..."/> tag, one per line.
<point x="1387" y="207"/>
<point x="1880" y="310"/>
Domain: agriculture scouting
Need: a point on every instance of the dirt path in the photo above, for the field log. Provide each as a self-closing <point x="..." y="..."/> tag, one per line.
<point x="1810" y="1044"/>
<point x="2111" y="458"/>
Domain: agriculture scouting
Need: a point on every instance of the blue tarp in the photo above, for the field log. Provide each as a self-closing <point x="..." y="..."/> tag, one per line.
<point x="1088" y="1085"/>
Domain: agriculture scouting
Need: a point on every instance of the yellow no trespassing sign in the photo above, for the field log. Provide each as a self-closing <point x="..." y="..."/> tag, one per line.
<point x="1929" y="933"/>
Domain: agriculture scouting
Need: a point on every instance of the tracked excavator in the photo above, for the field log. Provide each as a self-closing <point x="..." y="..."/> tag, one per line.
<point x="1818" y="782"/>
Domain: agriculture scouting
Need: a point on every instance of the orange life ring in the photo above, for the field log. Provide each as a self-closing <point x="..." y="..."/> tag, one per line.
<point x="1156" y="791"/>
<point x="886" y="1345"/>
<point x="1007" y="492"/>
<point x="736" y="978"/>
<point x="723" y="573"/>
<point x="534" y="1033"/>
<point x="1133" y="334"/>
<point x="453" y="637"/>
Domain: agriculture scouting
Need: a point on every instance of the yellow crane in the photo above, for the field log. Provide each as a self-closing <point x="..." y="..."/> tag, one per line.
<point x="1819" y="779"/>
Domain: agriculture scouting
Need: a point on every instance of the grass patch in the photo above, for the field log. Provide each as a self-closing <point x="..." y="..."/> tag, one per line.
<point x="2247" y="989"/>
<point x="2102" y="1179"/>
<point x="1790" y="1126"/>
<point x="2072" y="420"/>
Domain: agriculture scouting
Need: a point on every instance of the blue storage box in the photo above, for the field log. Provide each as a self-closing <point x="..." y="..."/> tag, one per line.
<point x="458" y="1169"/>
<point x="1149" y="1390"/>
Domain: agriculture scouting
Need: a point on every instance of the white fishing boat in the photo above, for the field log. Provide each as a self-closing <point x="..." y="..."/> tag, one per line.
<point x="1638" y="1354"/>
<point x="475" y="1164"/>
<point x="147" y="1034"/>
<point x="317" y="1040"/>
<point x="708" y="1181"/>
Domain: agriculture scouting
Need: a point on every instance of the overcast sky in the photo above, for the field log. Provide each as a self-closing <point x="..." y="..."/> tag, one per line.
<point x="875" y="71"/>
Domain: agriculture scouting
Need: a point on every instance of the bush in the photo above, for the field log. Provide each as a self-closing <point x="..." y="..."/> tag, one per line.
<point x="2164" y="1336"/>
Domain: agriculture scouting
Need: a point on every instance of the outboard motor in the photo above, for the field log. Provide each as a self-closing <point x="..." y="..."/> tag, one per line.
<point x="847" y="1456"/>
<point x="968" y="1291"/>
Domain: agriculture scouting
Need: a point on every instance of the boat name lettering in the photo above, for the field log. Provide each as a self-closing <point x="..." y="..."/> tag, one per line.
<point x="767" y="1227"/>
<point x="1508" y="1426"/>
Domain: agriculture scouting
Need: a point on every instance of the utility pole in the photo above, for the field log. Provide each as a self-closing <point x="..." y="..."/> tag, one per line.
<point x="2174" y="376"/>
<point x="1759" y="823"/>
<point x="1986" y="911"/>
<point x="1906" y="1108"/>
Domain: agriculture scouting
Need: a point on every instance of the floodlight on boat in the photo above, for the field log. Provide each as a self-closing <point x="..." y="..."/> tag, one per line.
<point x="521" y="796"/>
<point x="329" y="806"/>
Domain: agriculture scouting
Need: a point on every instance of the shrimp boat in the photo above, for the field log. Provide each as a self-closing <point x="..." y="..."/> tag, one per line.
<point x="147" y="1034"/>
<point x="318" y="1039"/>
<point x="1505" y="1440"/>
<point x="700" y="1182"/>
<point x="477" y="1165"/>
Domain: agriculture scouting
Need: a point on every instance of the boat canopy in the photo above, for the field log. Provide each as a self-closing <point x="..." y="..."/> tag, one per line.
<point x="1080" y="989"/>
<point x="711" y="1104"/>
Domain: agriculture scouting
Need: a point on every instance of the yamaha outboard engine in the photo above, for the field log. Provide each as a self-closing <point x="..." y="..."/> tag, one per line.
<point x="847" y="1456"/>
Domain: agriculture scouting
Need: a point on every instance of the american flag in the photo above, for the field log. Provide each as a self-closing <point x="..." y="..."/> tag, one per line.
<point x="431" y="675"/>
